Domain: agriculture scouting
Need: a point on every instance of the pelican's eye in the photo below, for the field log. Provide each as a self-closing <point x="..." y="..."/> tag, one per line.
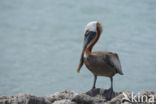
<point x="87" y="33"/>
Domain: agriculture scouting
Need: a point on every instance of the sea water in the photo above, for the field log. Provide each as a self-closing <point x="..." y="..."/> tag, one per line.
<point x="41" y="42"/>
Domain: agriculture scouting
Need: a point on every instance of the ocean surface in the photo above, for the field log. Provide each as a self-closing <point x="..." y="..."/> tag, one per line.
<point x="41" y="42"/>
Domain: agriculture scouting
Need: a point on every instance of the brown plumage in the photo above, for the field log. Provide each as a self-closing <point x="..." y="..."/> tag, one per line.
<point x="99" y="63"/>
<point x="102" y="64"/>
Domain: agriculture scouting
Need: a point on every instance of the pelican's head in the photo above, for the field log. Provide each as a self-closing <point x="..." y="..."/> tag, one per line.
<point x="92" y="33"/>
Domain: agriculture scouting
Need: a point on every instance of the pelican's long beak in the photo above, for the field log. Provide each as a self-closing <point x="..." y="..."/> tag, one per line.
<point x="88" y="37"/>
<point x="81" y="59"/>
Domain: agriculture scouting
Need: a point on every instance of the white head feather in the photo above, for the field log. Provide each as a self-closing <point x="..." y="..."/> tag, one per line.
<point x="91" y="26"/>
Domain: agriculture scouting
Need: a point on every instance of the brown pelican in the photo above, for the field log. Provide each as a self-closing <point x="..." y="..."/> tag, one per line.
<point x="99" y="63"/>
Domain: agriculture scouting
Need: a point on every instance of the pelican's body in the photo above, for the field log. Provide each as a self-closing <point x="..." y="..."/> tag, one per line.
<point x="99" y="63"/>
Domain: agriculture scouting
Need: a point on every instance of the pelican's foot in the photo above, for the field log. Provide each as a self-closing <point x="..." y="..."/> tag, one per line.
<point x="93" y="92"/>
<point x="109" y="94"/>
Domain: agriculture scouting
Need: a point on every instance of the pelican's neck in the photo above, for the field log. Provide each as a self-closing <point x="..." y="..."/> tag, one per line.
<point x="88" y="51"/>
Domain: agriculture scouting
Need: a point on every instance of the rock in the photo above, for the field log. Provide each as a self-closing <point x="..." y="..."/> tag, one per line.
<point x="97" y="96"/>
<point x="23" y="99"/>
<point x="65" y="95"/>
<point x="64" y="101"/>
<point x="86" y="99"/>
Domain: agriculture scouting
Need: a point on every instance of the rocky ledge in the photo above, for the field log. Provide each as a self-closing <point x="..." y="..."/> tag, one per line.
<point x="98" y="96"/>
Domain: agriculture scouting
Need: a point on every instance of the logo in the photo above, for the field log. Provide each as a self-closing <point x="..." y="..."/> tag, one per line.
<point x="125" y="98"/>
<point x="137" y="98"/>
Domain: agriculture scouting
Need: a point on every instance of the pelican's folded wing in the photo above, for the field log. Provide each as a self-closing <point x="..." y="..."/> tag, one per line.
<point x="115" y="62"/>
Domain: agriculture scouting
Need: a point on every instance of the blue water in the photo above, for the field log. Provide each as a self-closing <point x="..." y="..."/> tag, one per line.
<point x="41" y="42"/>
